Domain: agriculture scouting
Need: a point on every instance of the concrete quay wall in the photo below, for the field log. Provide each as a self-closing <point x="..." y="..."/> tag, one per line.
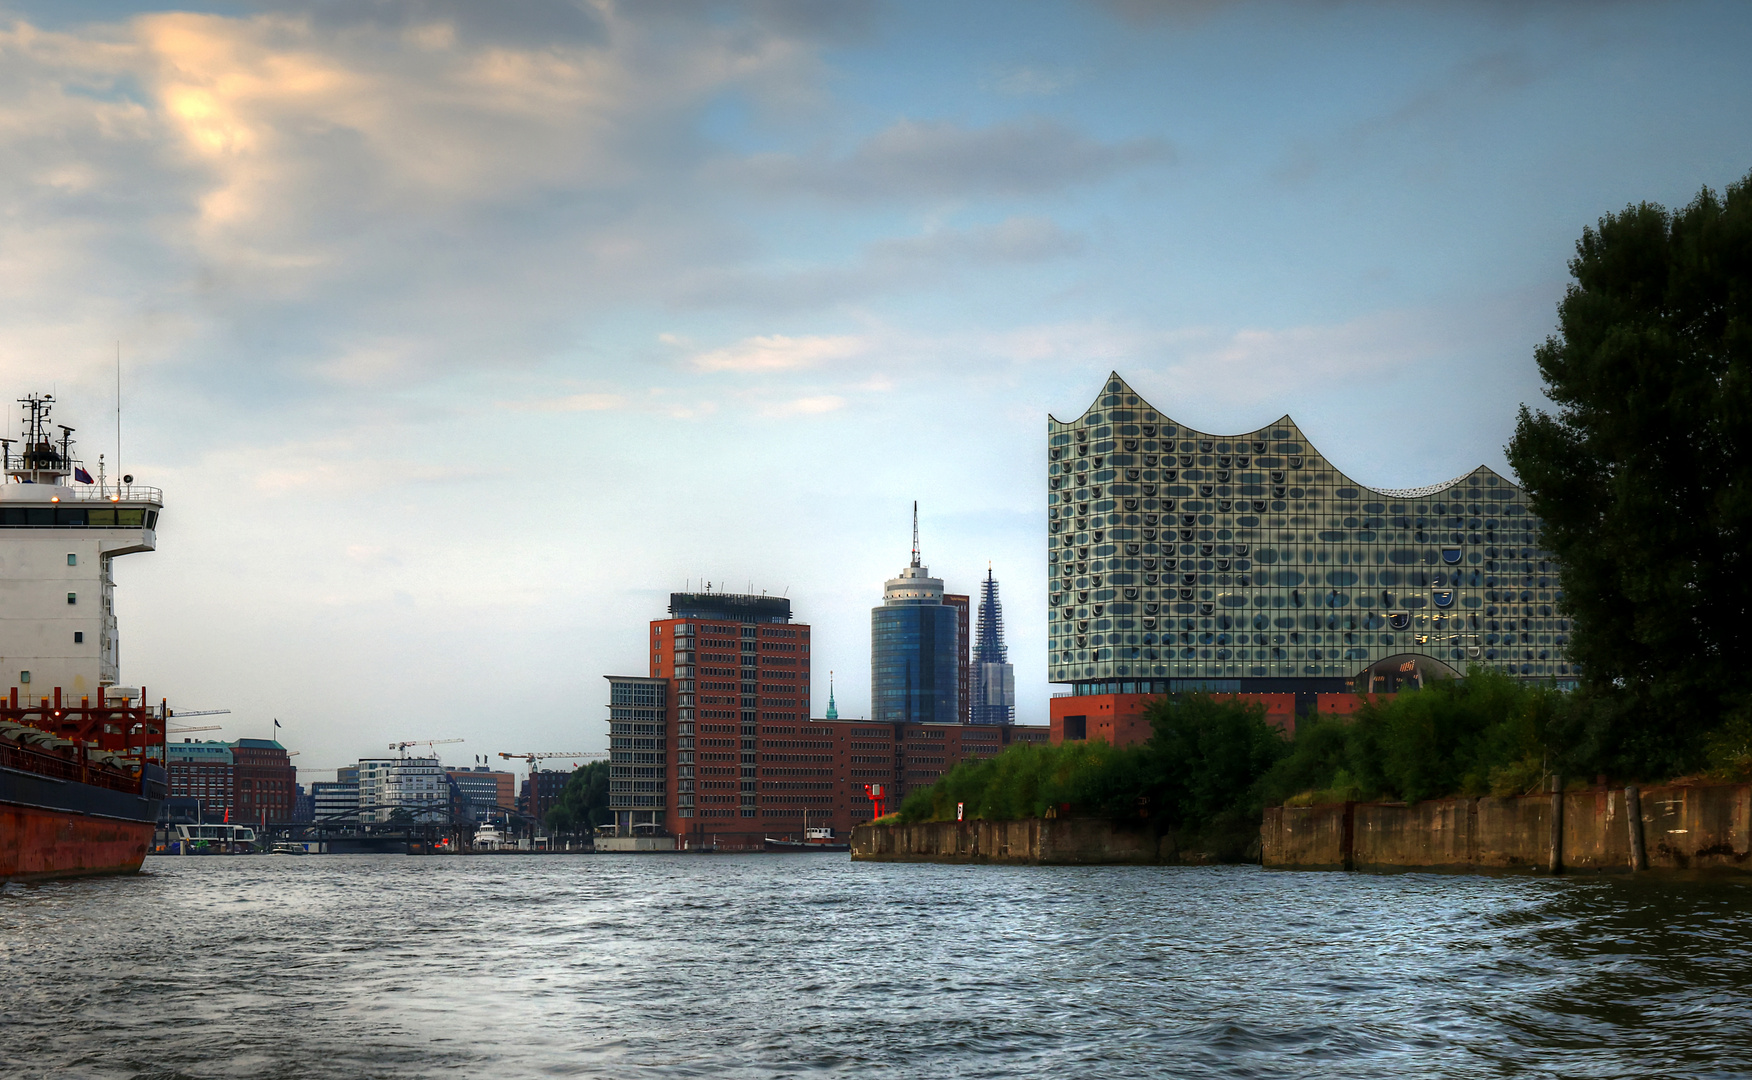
<point x="1032" y="841"/>
<point x="1677" y="827"/>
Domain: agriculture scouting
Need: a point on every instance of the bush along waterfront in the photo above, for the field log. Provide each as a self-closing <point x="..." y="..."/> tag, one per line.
<point x="1197" y="779"/>
<point x="1210" y="767"/>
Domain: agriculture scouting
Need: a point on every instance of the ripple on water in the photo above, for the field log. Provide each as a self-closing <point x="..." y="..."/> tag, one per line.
<point x="730" y="966"/>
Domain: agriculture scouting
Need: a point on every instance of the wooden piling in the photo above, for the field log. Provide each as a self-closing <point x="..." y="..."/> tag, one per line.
<point x="1639" y="859"/>
<point x="1556" y="816"/>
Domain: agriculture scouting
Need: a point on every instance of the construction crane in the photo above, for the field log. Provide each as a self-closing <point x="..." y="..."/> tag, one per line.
<point x="185" y="730"/>
<point x="401" y="748"/>
<point x="200" y="712"/>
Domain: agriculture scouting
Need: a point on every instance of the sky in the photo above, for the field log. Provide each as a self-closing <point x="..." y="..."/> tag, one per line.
<point x="458" y="335"/>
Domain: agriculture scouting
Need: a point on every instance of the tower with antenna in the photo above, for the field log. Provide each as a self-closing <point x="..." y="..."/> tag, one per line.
<point x="915" y="664"/>
<point x="994" y="691"/>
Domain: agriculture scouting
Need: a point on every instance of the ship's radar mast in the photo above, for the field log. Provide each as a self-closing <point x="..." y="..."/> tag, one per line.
<point x="43" y="460"/>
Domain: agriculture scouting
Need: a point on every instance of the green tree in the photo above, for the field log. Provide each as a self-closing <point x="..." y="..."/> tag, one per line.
<point x="1642" y="478"/>
<point x="1209" y="757"/>
<point x="583" y="802"/>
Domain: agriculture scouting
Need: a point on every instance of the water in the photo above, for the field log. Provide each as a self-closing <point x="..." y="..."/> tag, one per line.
<point x="805" y="965"/>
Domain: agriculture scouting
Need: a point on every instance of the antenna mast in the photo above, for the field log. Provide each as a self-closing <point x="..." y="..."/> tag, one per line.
<point x="915" y="561"/>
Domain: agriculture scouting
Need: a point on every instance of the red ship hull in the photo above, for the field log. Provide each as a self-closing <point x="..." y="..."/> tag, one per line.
<point x="37" y="844"/>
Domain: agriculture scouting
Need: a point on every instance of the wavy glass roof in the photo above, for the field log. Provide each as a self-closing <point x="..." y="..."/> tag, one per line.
<point x="1175" y="553"/>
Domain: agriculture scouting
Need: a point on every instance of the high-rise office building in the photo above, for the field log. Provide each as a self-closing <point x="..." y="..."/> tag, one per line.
<point x="1184" y="560"/>
<point x="915" y="642"/>
<point x="963" y="605"/>
<point x="684" y="741"/>
<point x="994" y="678"/>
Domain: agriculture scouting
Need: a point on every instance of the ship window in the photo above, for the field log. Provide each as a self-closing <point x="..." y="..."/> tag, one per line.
<point x="72" y="598"/>
<point x="39" y="516"/>
<point x="130" y="519"/>
<point x="70" y="516"/>
<point x="78" y="637"/>
<point x="72" y="559"/>
<point x="102" y="519"/>
<point x="24" y="677"/>
<point x="152" y="519"/>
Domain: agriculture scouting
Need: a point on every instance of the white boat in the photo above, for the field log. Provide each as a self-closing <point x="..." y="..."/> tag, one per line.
<point x="489" y="838"/>
<point x="214" y="839"/>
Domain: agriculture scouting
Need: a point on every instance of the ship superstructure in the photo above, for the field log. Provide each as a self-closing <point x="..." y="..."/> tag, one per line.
<point x="81" y="758"/>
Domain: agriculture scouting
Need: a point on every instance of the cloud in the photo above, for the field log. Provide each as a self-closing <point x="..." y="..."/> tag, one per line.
<point x="777" y="352"/>
<point x="571" y="403"/>
<point x="897" y="264"/>
<point x="362" y="195"/>
<point x="932" y="160"/>
<point x="1014" y="240"/>
<point x="806" y="406"/>
<point x="1033" y="81"/>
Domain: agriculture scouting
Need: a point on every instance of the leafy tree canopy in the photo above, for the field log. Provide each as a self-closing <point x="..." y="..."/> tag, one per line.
<point x="583" y="802"/>
<point x="1642" y="478"/>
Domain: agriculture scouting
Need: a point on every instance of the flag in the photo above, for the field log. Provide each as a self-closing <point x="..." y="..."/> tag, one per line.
<point x="81" y="475"/>
<point x="276" y="723"/>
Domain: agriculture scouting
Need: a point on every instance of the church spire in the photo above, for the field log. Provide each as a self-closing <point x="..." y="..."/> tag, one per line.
<point x="832" y="710"/>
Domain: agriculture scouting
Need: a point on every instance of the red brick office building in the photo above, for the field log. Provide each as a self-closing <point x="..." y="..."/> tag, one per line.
<point x="717" y="749"/>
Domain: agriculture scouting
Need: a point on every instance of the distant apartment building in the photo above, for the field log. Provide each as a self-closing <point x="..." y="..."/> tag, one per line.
<point x="336" y="802"/>
<point x="482" y="793"/>
<point x="202" y="770"/>
<point x="265" y="779"/>
<point x="415" y="789"/>
<point x="373" y="783"/>
<point x="541" y="790"/>
<point x="250" y="780"/>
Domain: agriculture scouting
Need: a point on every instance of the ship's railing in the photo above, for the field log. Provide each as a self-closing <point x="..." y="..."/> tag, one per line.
<point x="24" y="759"/>
<point x="104" y="493"/>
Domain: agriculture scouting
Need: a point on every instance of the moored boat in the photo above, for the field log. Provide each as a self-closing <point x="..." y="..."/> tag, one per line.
<point x="81" y="760"/>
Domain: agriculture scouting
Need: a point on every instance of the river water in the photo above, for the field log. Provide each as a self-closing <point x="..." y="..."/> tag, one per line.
<point x="803" y="965"/>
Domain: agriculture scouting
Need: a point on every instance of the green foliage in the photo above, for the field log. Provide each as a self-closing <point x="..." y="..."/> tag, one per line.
<point x="1643" y="480"/>
<point x="583" y="803"/>
<point x="1485" y="734"/>
<point x="1198" y="775"/>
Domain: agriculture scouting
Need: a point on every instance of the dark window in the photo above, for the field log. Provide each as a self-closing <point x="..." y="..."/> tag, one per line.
<point x="39" y="516"/>
<point x="78" y="637"/>
<point x="1076" y="728"/>
<point x="70" y="516"/>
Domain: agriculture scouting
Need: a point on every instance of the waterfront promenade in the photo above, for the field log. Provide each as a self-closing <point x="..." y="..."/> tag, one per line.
<point x="753" y="966"/>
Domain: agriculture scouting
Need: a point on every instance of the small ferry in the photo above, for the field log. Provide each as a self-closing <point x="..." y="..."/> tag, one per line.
<point x="814" y="839"/>
<point x="489" y="838"/>
<point x="213" y="840"/>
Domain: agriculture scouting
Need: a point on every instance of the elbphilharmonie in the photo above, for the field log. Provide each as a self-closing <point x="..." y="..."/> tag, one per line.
<point x="1182" y="559"/>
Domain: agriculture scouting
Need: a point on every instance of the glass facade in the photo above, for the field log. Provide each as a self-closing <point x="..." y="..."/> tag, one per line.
<point x="1179" y="554"/>
<point x="637" y="747"/>
<point x="915" y="663"/>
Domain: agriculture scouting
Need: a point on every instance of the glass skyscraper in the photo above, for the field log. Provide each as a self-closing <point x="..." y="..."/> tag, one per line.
<point x="915" y="650"/>
<point x="1182" y="560"/>
<point x="994" y="680"/>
